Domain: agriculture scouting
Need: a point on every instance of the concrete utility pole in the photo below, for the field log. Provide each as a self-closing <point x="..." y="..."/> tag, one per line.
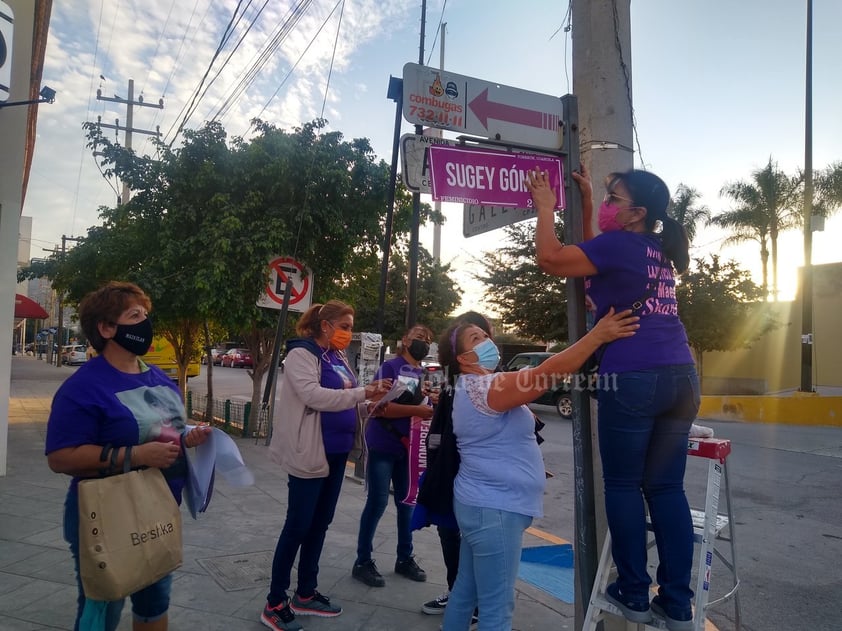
<point x="601" y="36"/>
<point x="60" y="327"/>
<point x="440" y="134"/>
<point x="129" y="128"/>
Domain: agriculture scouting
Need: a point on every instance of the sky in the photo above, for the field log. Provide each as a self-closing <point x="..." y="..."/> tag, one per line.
<point x="718" y="89"/>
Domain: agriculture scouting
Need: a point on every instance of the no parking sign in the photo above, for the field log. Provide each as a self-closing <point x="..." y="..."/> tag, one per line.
<point x="283" y="270"/>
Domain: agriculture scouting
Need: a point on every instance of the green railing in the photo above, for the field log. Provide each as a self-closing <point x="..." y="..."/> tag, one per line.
<point x="230" y="416"/>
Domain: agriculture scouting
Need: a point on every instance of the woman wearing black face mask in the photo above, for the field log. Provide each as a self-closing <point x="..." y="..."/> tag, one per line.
<point x="387" y="437"/>
<point x="110" y="410"/>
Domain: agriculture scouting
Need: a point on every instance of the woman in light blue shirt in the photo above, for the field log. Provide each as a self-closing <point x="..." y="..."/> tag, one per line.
<point x="500" y="485"/>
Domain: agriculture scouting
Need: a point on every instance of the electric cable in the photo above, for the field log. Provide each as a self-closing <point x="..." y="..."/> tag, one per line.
<point x="324" y="102"/>
<point x="438" y="28"/>
<point x="627" y="80"/>
<point x="260" y="59"/>
<point x="291" y="70"/>
<point x="223" y="40"/>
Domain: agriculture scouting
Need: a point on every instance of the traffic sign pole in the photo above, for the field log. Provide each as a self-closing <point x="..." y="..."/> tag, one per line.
<point x="268" y="405"/>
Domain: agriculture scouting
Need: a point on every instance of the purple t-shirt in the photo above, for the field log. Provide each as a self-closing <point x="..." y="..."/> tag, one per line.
<point x="632" y="266"/>
<point x="99" y="404"/>
<point x="377" y="436"/>
<point x="337" y="427"/>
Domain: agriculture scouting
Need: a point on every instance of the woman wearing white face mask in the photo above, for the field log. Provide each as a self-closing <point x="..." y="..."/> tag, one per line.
<point x="500" y="484"/>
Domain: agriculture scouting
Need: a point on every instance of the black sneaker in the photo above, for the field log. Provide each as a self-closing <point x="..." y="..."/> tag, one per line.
<point x="279" y="618"/>
<point x="410" y="569"/>
<point x="632" y="611"/>
<point x="677" y="620"/>
<point x="436" y="606"/>
<point x="368" y="574"/>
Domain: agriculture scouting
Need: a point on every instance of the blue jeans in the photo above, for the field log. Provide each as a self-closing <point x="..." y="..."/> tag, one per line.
<point x="149" y="604"/>
<point x="310" y="509"/>
<point x="643" y="431"/>
<point x="489" y="557"/>
<point x="381" y="469"/>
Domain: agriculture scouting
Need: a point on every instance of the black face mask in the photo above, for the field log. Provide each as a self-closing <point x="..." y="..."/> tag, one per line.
<point x="418" y="349"/>
<point x="135" y="338"/>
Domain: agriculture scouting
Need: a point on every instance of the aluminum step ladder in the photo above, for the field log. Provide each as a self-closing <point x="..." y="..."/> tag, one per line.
<point x="711" y="530"/>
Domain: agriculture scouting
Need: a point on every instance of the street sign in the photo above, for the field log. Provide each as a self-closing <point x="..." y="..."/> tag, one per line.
<point x="482" y="108"/>
<point x="478" y="219"/>
<point x="489" y="178"/>
<point x="284" y="269"/>
<point x="416" y="166"/>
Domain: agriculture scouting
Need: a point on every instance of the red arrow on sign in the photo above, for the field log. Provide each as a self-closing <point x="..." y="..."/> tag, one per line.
<point x="485" y="109"/>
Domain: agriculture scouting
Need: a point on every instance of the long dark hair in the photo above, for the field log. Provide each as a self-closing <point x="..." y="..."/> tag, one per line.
<point x="649" y="191"/>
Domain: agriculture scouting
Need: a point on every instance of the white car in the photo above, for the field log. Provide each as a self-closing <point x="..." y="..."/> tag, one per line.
<point x="74" y="354"/>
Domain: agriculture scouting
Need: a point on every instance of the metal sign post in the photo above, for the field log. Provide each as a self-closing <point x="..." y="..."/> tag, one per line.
<point x="268" y="404"/>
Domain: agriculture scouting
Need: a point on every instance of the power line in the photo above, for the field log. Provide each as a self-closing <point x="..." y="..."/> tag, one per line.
<point x="260" y="59"/>
<point x="291" y="70"/>
<point x="223" y="40"/>
<point x="627" y="79"/>
<point x="438" y="29"/>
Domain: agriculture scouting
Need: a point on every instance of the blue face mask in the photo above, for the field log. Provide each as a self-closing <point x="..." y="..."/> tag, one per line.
<point x="487" y="354"/>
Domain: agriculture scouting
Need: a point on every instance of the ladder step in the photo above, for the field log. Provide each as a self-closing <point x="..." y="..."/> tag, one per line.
<point x="601" y="603"/>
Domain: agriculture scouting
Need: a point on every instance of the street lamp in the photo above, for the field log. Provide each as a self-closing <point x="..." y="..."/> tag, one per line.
<point x="48" y="95"/>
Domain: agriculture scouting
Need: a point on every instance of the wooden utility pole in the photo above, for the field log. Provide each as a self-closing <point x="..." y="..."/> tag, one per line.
<point x="129" y="126"/>
<point x="601" y="36"/>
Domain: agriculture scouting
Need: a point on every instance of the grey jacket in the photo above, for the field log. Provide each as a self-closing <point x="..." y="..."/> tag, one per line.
<point x="297" y="443"/>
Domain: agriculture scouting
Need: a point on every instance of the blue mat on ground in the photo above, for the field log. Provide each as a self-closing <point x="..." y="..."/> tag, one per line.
<point x="549" y="568"/>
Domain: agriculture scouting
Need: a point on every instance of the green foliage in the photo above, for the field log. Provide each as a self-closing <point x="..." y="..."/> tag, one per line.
<point x="207" y="217"/>
<point x="721" y="307"/>
<point x="764" y="207"/>
<point x="527" y="299"/>
<point x="684" y="208"/>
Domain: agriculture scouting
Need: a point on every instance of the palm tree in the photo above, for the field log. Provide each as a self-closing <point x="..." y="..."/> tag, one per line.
<point x="684" y="210"/>
<point x="765" y="206"/>
<point x="827" y="197"/>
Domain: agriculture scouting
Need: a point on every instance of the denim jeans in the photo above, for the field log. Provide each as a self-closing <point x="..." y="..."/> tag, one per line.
<point x="489" y="558"/>
<point x="381" y="469"/>
<point x="311" y="505"/>
<point x="643" y="431"/>
<point x="148" y="604"/>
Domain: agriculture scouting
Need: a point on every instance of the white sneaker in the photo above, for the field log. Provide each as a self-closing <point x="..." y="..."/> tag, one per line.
<point x="700" y="431"/>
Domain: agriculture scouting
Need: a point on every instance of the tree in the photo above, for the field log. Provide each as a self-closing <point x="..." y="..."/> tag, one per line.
<point x="765" y="206"/>
<point x="685" y="210"/>
<point x="827" y="197"/>
<point x="533" y="302"/>
<point x="207" y="217"/>
<point x="437" y="297"/>
<point x="721" y="308"/>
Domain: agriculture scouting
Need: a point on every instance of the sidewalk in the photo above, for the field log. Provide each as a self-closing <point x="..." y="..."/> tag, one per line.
<point x="227" y="552"/>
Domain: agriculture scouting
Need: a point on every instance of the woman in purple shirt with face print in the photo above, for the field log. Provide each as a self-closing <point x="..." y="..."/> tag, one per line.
<point x="646" y="413"/>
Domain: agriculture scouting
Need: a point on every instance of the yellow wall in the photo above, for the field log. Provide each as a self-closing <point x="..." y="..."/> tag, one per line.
<point x="773" y="363"/>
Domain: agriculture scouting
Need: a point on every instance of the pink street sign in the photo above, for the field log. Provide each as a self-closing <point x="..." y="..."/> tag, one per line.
<point x="489" y="178"/>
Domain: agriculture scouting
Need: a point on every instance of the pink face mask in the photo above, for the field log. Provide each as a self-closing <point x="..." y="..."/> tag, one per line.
<point x="607" y="218"/>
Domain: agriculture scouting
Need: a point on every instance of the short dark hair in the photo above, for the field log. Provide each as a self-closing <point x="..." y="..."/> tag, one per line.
<point x="106" y="305"/>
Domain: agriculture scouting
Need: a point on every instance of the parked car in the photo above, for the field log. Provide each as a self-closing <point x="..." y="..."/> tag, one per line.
<point x="74" y="354"/>
<point x="216" y="356"/>
<point x="432" y="373"/>
<point x="558" y="396"/>
<point x="237" y="358"/>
